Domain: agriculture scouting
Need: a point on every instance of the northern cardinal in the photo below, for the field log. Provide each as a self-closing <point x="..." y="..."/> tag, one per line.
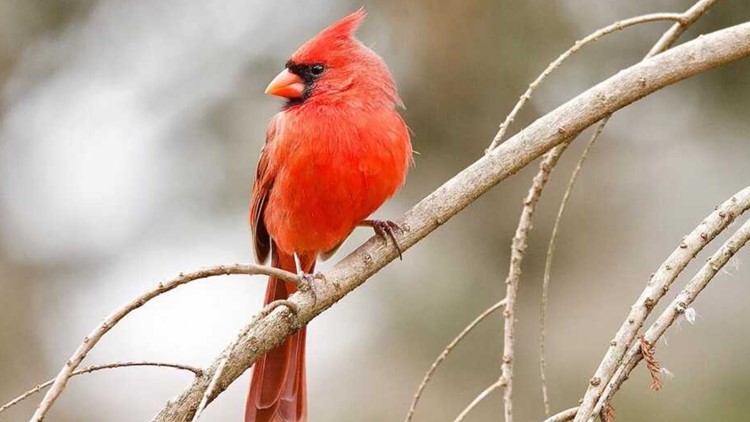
<point x="336" y="151"/>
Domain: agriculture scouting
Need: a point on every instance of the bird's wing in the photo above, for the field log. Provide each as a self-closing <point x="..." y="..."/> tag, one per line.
<point x="264" y="177"/>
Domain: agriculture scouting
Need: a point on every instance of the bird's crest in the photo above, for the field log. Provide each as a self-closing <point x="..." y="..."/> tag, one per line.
<point x="337" y="38"/>
<point x="345" y="27"/>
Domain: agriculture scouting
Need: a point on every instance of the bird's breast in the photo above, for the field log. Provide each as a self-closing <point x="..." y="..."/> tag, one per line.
<point x="333" y="172"/>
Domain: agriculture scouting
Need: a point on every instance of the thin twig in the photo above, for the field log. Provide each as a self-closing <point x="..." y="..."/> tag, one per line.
<point x="617" y="26"/>
<point x="93" y="338"/>
<point x="559" y="126"/>
<point x="196" y="371"/>
<point x="688" y="18"/>
<point x="548" y="261"/>
<point x="487" y="391"/>
<point x="518" y="251"/>
<point x="564" y="416"/>
<point x="211" y="387"/>
<point x="444" y="354"/>
<point x="677" y="308"/>
<point x="656" y="288"/>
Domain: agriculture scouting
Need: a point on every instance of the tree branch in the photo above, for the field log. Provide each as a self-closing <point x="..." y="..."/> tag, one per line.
<point x="688" y="18"/>
<point x="676" y="308"/>
<point x="617" y="26"/>
<point x="196" y="371"/>
<point x="564" y="416"/>
<point x="517" y="253"/>
<point x="558" y="126"/>
<point x="478" y="399"/>
<point x="656" y="288"/>
<point x="93" y="338"/>
<point x="548" y="262"/>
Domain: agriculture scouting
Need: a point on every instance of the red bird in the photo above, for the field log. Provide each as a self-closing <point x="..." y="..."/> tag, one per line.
<point x="333" y="155"/>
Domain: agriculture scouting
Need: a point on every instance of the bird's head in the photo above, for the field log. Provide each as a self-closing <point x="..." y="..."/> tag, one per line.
<point x="334" y="68"/>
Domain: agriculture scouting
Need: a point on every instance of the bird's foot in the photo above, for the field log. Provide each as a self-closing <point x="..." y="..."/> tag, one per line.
<point x="386" y="229"/>
<point x="305" y="284"/>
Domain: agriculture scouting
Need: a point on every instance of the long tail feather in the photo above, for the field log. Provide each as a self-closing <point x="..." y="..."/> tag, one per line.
<point x="278" y="391"/>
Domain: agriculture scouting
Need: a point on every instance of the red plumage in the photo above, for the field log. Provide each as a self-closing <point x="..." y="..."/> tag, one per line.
<point x="333" y="155"/>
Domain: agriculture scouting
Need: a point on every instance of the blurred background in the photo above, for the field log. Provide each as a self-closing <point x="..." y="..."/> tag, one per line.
<point x="129" y="134"/>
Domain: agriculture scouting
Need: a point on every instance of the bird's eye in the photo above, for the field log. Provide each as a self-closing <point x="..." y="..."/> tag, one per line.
<point x="317" y="69"/>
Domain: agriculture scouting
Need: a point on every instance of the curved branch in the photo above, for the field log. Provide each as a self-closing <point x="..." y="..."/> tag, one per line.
<point x="196" y="371"/>
<point x="556" y="127"/>
<point x="210" y="390"/>
<point x="548" y="262"/>
<point x="657" y="287"/>
<point x="564" y="416"/>
<point x="676" y="308"/>
<point x="487" y="391"/>
<point x="93" y="338"/>
<point x="617" y="26"/>
<point x="517" y="252"/>
<point x="688" y="18"/>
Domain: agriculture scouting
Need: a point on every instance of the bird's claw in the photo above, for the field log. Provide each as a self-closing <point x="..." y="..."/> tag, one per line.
<point x="305" y="284"/>
<point x="386" y="229"/>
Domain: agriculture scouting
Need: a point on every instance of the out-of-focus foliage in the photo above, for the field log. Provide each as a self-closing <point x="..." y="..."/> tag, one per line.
<point x="129" y="132"/>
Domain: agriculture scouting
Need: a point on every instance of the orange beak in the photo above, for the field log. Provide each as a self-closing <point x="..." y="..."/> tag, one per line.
<point x="286" y="84"/>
